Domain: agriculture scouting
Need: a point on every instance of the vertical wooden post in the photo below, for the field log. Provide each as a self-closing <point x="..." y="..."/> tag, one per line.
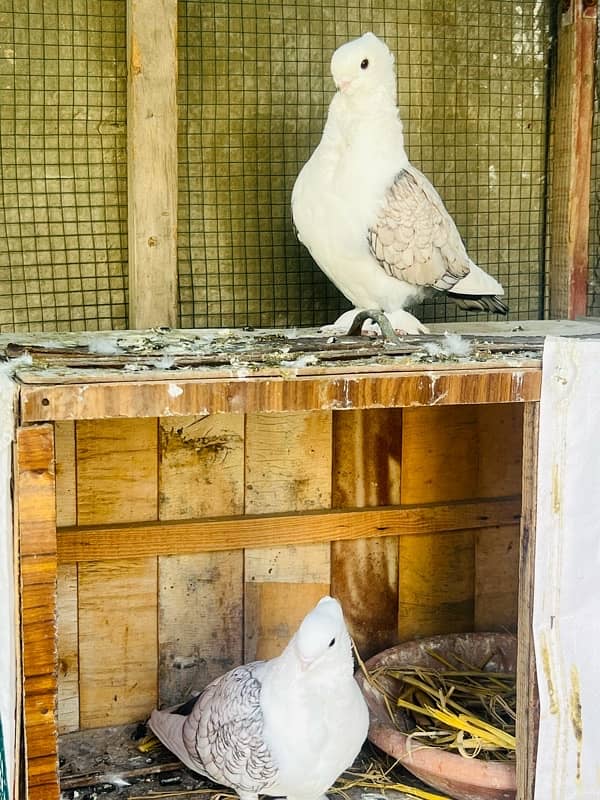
<point x="573" y="104"/>
<point x="527" y="692"/>
<point x="36" y="515"/>
<point x="152" y="161"/>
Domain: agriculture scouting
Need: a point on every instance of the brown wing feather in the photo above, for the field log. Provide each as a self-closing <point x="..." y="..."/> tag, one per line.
<point x="414" y="238"/>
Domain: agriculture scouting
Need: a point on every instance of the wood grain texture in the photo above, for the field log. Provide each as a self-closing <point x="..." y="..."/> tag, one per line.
<point x="391" y="389"/>
<point x="437" y="584"/>
<point x="94" y="543"/>
<point x="572" y="113"/>
<point x="118" y="641"/>
<point x="152" y="161"/>
<point x="66" y="477"/>
<point x="116" y="470"/>
<point x="201" y="466"/>
<point x="364" y="573"/>
<point x="288" y="462"/>
<point x="496" y="578"/>
<point x="528" y="707"/>
<point x="36" y="520"/>
<point x="200" y="621"/>
<point x="68" y="648"/>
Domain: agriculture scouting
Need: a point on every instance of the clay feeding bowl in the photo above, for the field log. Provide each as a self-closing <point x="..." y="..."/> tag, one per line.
<point x="459" y="777"/>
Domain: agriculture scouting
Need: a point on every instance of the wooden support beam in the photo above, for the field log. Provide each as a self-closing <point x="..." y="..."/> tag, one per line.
<point x="572" y="112"/>
<point x="528" y="713"/>
<point x="35" y="489"/>
<point x="99" y="542"/>
<point x="152" y="161"/>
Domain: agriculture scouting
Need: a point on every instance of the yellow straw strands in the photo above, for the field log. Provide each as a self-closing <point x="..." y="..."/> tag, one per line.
<point x="458" y="707"/>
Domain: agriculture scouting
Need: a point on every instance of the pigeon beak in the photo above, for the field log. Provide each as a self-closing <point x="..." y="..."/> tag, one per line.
<point x="343" y="85"/>
<point x="305" y="663"/>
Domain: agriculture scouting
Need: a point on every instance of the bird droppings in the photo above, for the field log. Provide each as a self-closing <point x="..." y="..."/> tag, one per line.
<point x="175" y="390"/>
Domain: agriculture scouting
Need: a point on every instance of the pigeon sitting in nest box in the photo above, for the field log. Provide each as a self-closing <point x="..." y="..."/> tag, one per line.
<point x="284" y="727"/>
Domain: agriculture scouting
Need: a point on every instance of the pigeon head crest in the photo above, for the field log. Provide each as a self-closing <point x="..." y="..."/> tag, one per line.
<point x="362" y="65"/>
<point x="322" y="635"/>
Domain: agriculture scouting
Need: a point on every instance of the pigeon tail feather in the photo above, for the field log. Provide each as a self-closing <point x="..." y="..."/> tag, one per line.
<point x="168" y="727"/>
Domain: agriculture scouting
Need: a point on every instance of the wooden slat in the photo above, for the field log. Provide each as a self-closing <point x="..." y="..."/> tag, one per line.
<point x="35" y="488"/>
<point x="528" y="710"/>
<point x="116" y="471"/>
<point x="367" y="448"/>
<point x="97" y="543"/>
<point x="282" y="585"/>
<point x="68" y="648"/>
<point x="66" y="479"/>
<point x="201" y="466"/>
<point x="180" y="397"/>
<point x="436" y="584"/>
<point x="572" y="114"/>
<point x="288" y="468"/>
<point x="118" y="641"/>
<point x="152" y="161"/>
<point x="200" y="617"/>
<point x="200" y="621"/>
<point x="496" y="578"/>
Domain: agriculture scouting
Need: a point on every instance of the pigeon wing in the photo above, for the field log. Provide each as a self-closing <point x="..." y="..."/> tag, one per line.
<point x="225" y="732"/>
<point x="414" y="238"/>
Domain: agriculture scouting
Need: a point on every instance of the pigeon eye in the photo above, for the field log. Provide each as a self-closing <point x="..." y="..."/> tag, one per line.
<point x="332" y="642"/>
<point x="364" y="63"/>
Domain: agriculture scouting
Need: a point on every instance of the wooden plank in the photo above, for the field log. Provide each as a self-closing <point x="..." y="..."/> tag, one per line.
<point x="97" y="543"/>
<point x="288" y="462"/>
<point x="200" y="628"/>
<point x="496" y="578"/>
<point x="66" y="480"/>
<point x="68" y="648"/>
<point x="184" y="396"/>
<point x="117" y="641"/>
<point x="201" y="466"/>
<point x="152" y="161"/>
<point x="288" y="468"/>
<point x="282" y="585"/>
<point x="528" y="710"/>
<point x="436" y="585"/>
<point x="200" y="621"/>
<point x="572" y="115"/>
<point x="367" y="448"/>
<point x="36" y="519"/>
<point x="117" y="471"/>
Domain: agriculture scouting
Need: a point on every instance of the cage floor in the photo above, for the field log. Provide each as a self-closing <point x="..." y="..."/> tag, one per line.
<point x="107" y="761"/>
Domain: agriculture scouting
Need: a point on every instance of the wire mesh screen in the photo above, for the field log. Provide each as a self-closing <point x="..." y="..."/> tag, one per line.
<point x="63" y="165"/>
<point x="254" y="87"/>
<point x="594" y="235"/>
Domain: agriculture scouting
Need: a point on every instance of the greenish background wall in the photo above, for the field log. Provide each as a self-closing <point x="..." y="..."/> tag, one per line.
<point x="253" y="92"/>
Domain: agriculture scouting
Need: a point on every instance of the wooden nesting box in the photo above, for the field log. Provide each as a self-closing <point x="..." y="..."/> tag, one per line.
<point x="173" y="525"/>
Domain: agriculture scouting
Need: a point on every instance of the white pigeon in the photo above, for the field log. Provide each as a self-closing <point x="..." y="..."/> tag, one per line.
<point x="285" y="727"/>
<point x="373" y="223"/>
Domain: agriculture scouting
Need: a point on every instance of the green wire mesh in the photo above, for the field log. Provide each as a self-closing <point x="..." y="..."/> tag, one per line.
<point x="253" y="92"/>
<point x="63" y="216"/>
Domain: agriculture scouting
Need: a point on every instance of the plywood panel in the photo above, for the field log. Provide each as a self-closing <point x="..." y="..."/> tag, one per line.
<point x="496" y="578"/>
<point x="201" y="466"/>
<point x="367" y="447"/>
<point x="200" y="621"/>
<point x="282" y="585"/>
<point x="288" y="462"/>
<point x="117" y="641"/>
<point x="68" y="644"/>
<point x="116" y="470"/>
<point x="66" y="492"/>
<point x="436" y="584"/>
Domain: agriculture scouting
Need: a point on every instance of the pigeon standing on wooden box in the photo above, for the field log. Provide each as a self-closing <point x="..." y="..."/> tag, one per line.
<point x="373" y="223"/>
<point x="285" y="727"/>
